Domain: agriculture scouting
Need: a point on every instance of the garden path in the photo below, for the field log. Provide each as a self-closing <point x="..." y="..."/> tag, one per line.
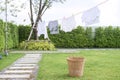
<point x="62" y="50"/>
<point x="24" y="68"/>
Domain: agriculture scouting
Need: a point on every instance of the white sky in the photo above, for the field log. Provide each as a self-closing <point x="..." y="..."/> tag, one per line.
<point x="109" y="12"/>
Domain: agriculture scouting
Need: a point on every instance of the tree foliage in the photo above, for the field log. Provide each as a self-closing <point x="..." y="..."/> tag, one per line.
<point x="12" y="7"/>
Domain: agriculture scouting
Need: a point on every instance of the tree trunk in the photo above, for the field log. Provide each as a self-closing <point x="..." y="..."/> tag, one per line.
<point x="35" y="24"/>
<point x="35" y="29"/>
<point x="35" y="33"/>
<point x="37" y="20"/>
<point x="32" y="21"/>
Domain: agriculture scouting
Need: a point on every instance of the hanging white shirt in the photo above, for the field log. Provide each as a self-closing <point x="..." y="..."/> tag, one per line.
<point x="42" y="29"/>
<point x="53" y="27"/>
<point x="91" y="16"/>
<point x="68" y="24"/>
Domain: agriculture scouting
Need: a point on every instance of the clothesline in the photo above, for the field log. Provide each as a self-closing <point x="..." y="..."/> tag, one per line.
<point x="84" y="10"/>
<point x="92" y="7"/>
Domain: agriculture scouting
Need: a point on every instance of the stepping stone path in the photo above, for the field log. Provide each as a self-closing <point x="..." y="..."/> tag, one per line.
<point x="24" y="68"/>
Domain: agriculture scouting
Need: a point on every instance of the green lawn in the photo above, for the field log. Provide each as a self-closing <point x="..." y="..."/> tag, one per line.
<point x="99" y="65"/>
<point x="8" y="60"/>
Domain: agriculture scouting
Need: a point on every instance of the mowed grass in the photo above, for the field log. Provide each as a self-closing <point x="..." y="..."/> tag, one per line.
<point x="99" y="65"/>
<point x="8" y="60"/>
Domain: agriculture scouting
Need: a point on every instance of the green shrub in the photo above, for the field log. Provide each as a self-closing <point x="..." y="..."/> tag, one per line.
<point x="116" y="33"/>
<point x="109" y="36"/>
<point x="79" y="37"/>
<point x="100" y="38"/>
<point x="90" y="37"/>
<point x="37" y="45"/>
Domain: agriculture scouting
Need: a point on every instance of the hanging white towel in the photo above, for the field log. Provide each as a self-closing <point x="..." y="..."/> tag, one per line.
<point x="68" y="24"/>
<point x="53" y="27"/>
<point x="42" y="29"/>
<point x="91" y="16"/>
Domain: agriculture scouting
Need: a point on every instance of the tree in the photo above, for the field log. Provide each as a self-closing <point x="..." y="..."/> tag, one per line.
<point x="39" y="7"/>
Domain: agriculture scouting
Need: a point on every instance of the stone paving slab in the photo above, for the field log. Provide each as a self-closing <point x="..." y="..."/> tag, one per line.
<point x="18" y="71"/>
<point x="23" y="65"/>
<point x="36" y="56"/>
<point x="21" y="68"/>
<point x="13" y="76"/>
<point x="32" y="55"/>
<point x="28" y="62"/>
<point x="29" y="59"/>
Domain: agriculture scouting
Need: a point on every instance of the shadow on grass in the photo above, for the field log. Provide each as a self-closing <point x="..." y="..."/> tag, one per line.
<point x="66" y="77"/>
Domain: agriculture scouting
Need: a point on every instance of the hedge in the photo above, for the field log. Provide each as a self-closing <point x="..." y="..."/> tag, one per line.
<point x="13" y="35"/>
<point x="24" y="32"/>
<point x="103" y="37"/>
<point x="12" y="38"/>
<point x="2" y="39"/>
<point x="74" y="39"/>
<point x="107" y="37"/>
<point x="85" y="38"/>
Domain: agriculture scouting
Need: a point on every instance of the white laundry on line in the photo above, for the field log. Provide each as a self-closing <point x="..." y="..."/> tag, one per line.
<point x="42" y="29"/>
<point x="91" y="16"/>
<point x="53" y="27"/>
<point x="68" y="24"/>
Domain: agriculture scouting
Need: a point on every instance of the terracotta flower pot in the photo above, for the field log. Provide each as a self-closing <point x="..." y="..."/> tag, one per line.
<point x="75" y="66"/>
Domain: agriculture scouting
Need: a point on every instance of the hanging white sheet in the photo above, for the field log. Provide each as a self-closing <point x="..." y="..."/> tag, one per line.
<point x="68" y="24"/>
<point x="91" y="16"/>
<point x="42" y="29"/>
